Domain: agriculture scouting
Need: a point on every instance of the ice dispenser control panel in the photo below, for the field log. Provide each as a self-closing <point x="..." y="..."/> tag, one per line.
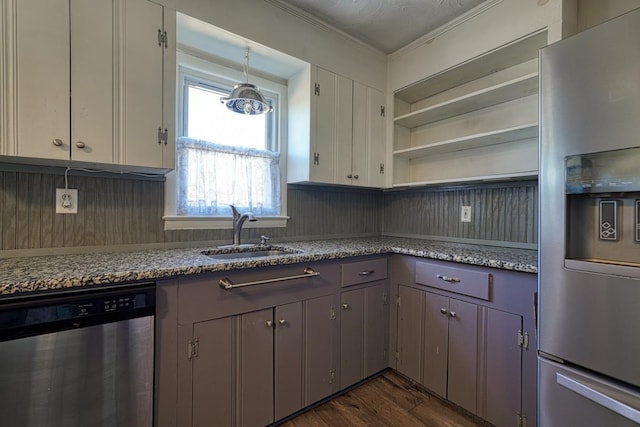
<point x="603" y="172"/>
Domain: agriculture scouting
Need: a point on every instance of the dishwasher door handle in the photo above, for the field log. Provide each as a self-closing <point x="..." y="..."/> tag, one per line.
<point x="602" y="395"/>
<point x="226" y="283"/>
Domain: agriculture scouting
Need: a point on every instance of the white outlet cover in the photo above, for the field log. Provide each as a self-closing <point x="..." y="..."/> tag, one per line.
<point x="71" y="198"/>
<point x="465" y="214"/>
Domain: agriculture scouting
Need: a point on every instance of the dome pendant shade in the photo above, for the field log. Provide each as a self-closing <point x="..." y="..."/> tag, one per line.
<point x="246" y="99"/>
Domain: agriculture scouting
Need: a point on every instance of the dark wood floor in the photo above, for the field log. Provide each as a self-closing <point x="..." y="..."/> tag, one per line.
<point x="388" y="400"/>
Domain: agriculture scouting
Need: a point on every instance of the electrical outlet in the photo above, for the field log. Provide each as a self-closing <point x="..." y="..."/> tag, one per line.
<point x="66" y="201"/>
<point x="465" y="214"/>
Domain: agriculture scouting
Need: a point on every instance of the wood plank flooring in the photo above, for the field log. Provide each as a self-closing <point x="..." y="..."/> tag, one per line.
<point x="388" y="400"/>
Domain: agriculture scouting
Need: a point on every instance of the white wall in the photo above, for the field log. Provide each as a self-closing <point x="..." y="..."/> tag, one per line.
<point x="267" y="24"/>
<point x="594" y="12"/>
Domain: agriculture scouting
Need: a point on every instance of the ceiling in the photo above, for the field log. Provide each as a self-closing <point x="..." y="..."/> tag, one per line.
<point x="385" y="24"/>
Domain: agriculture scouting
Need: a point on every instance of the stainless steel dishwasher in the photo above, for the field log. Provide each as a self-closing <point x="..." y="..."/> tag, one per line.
<point x="78" y="358"/>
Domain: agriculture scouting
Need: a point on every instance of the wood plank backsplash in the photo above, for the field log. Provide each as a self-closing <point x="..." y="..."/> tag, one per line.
<point x="507" y="212"/>
<point x="119" y="211"/>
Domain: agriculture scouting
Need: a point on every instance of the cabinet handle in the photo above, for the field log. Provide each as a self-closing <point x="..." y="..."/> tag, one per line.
<point x="366" y="272"/>
<point x="80" y="144"/>
<point x="226" y="283"/>
<point x="269" y="324"/>
<point x="443" y="310"/>
<point x="452" y="313"/>
<point x="349" y="176"/>
<point x="57" y="142"/>
<point x="282" y="322"/>
<point x="345" y="306"/>
<point x="448" y="279"/>
<point x="355" y="176"/>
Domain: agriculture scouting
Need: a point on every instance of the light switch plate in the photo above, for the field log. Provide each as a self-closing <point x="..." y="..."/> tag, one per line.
<point x="465" y="214"/>
<point x="66" y="201"/>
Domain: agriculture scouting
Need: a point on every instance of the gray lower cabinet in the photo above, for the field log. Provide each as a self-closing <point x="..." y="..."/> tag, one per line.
<point x="363" y="333"/>
<point x="451" y="349"/>
<point x="467" y="343"/>
<point x="321" y="348"/>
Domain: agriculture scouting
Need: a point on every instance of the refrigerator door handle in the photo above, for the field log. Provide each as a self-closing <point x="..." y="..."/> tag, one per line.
<point x="602" y="395"/>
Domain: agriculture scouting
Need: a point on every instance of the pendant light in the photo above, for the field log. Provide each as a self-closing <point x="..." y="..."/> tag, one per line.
<point x="246" y="98"/>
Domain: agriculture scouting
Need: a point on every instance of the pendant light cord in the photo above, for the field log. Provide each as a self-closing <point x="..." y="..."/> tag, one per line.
<point x="245" y="66"/>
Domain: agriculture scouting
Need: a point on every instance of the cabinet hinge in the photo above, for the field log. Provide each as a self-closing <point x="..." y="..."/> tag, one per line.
<point x="385" y="298"/>
<point x="398" y="301"/>
<point x="382" y="168"/>
<point x="162" y="38"/>
<point x="382" y="112"/>
<point x="384" y="354"/>
<point x="523" y="340"/>
<point x="317" y="89"/>
<point x="332" y="376"/>
<point x="316" y="159"/>
<point x="397" y="355"/>
<point x="192" y="348"/>
<point x="522" y="420"/>
<point x="163" y="136"/>
<point x="332" y="312"/>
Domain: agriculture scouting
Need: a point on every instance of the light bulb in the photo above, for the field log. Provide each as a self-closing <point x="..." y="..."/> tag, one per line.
<point x="247" y="107"/>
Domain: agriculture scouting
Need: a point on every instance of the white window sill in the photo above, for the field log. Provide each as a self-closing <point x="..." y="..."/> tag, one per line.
<point x="218" y="223"/>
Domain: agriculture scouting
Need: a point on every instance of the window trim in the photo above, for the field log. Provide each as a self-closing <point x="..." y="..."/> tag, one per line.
<point x="205" y="67"/>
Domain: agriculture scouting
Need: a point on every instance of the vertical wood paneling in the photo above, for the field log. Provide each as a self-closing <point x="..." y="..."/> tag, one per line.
<point x="35" y="210"/>
<point x="22" y="212"/>
<point x="46" y="198"/>
<point x="506" y="213"/>
<point x="9" y="211"/>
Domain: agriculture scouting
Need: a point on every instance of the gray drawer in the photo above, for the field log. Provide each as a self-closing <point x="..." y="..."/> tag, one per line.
<point x="460" y="280"/>
<point x="354" y="273"/>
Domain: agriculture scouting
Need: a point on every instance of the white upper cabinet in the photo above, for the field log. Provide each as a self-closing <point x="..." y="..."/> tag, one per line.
<point x="149" y="72"/>
<point x="84" y="81"/>
<point x="336" y="130"/>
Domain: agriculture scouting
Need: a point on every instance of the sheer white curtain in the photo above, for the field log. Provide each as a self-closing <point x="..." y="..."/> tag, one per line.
<point x="211" y="176"/>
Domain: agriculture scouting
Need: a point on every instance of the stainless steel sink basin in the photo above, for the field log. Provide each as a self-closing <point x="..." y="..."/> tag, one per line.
<point x="247" y="254"/>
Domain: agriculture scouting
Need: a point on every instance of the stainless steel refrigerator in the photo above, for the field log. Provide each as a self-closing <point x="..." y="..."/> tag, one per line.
<point x="589" y="251"/>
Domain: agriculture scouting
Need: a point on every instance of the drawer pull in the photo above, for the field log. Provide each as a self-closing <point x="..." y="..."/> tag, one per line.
<point x="443" y="310"/>
<point x="448" y="279"/>
<point x="366" y="272"/>
<point x="307" y="272"/>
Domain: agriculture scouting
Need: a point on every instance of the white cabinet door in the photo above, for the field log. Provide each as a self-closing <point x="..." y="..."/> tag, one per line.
<point x="92" y="80"/>
<point x="369" y="138"/>
<point x="42" y="87"/>
<point x="323" y="125"/>
<point x="377" y="139"/>
<point x="143" y="105"/>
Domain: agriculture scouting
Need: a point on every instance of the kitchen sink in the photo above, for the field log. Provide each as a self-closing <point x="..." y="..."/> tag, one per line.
<point x="248" y="253"/>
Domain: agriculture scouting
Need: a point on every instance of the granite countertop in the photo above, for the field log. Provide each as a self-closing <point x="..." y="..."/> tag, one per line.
<point x="29" y="274"/>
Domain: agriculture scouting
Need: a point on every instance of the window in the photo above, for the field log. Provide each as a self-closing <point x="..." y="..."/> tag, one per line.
<point x="225" y="158"/>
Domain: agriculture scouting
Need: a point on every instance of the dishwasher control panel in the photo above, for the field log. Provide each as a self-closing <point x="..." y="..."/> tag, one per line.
<point x="73" y="310"/>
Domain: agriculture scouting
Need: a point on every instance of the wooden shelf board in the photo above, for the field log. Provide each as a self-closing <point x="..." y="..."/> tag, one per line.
<point x="471" y="179"/>
<point x="507" y="91"/>
<point x="503" y="57"/>
<point x="484" y="139"/>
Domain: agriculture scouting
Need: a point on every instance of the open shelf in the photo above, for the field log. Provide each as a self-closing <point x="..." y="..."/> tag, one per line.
<point x="471" y="141"/>
<point x="486" y="97"/>
<point x="471" y="179"/>
<point x="516" y="52"/>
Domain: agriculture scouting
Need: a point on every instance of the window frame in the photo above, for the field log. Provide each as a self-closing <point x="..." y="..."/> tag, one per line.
<point x="199" y="67"/>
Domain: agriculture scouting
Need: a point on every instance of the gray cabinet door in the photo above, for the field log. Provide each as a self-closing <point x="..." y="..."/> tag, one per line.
<point x="410" y="327"/>
<point x="463" y="354"/>
<point x="376" y="328"/>
<point x="255" y="405"/>
<point x="321" y="347"/>
<point x="351" y="338"/>
<point x="502" y="394"/>
<point x="213" y="373"/>
<point x="288" y="359"/>
<point x="436" y="343"/>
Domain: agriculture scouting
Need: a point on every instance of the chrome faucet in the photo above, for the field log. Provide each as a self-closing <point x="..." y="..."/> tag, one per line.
<point x="238" y="222"/>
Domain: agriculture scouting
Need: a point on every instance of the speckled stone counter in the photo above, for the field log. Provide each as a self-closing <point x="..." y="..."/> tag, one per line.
<point x="29" y="274"/>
